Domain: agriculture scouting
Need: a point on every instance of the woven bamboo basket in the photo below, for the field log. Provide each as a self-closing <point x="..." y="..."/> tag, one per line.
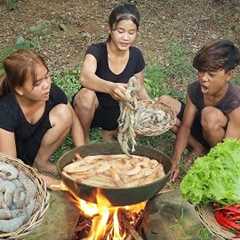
<point x="158" y="124"/>
<point x="41" y="196"/>
<point x="206" y="216"/>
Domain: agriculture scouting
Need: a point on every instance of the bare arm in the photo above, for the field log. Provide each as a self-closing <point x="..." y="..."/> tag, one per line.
<point x="142" y="93"/>
<point x="233" y="128"/>
<point x="7" y="143"/>
<point x="184" y="131"/>
<point x="90" y="80"/>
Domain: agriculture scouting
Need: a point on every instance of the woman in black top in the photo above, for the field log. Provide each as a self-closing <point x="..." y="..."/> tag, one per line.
<point x="35" y="115"/>
<point x="106" y="70"/>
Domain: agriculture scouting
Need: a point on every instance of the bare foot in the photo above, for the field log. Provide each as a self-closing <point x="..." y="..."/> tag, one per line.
<point x="53" y="183"/>
<point x="48" y="168"/>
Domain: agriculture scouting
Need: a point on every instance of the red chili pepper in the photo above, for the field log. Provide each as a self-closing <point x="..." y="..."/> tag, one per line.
<point x="232" y="209"/>
<point x="230" y="215"/>
<point x="236" y="205"/>
<point x="225" y="222"/>
<point x="221" y="219"/>
<point x="234" y="218"/>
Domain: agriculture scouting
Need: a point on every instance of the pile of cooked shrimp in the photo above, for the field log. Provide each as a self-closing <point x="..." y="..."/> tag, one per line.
<point x="17" y="198"/>
<point x="114" y="171"/>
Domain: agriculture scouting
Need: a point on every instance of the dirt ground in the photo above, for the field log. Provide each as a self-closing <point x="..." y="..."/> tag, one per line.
<point x="61" y="30"/>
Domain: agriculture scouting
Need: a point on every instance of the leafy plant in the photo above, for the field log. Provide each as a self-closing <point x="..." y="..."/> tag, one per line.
<point x="40" y="28"/>
<point x="22" y="43"/>
<point x="214" y="177"/>
<point x="68" y="80"/>
<point x="156" y="81"/>
<point x="11" y="4"/>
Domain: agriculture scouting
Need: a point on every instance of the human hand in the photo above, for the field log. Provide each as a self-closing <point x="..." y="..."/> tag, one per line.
<point x="118" y="91"/>
<point x="174" y="173"/>
<point x="77" y="157"/>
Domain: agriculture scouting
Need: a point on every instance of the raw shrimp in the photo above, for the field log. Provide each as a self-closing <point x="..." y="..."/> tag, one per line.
<point x="29" y="187"/>
<point x="8" y="171"/>
<point x="8" y="188"/>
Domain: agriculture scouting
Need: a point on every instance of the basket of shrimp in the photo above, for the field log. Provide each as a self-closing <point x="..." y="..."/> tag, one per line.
<point x="222" y="221"/>
<point x="23" y="198"/>
<point x="153" y="118"/>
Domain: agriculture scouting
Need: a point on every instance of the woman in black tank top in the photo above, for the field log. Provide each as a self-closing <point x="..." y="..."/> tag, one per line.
<point x="106" y="70"/>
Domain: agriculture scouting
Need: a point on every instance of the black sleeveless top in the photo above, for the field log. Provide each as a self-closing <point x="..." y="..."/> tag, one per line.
<point x="28" y="136"/>
<point x="134" y="65"/>
<point x="227" y="104"/>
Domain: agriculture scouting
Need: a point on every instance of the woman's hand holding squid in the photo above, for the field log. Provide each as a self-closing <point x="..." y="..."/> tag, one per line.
<point x="118" y="91"/>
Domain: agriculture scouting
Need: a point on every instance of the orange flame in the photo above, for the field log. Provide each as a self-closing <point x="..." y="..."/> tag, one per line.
<point x="105" y="218"/>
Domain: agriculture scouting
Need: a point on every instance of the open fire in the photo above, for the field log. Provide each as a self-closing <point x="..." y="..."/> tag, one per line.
<point x="102" y="221"/>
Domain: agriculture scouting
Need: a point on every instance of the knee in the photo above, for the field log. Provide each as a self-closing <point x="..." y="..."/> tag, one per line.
<point x="61" y="114"/>
<point x="211" y="119"/>
<point x="80" y="102"/>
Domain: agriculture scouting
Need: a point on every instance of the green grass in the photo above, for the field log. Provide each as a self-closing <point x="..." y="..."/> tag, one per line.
<point x="179" y="63"/>
<point x="204" y="234"/>
<point x="68" y="81"/>
<point x="178" y="72"/>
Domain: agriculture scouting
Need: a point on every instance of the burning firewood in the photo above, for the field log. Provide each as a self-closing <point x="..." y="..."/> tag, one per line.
<point x="122" y="223"/>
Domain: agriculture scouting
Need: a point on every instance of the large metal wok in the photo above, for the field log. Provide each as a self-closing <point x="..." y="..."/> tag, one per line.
<point x="117" y="196"/>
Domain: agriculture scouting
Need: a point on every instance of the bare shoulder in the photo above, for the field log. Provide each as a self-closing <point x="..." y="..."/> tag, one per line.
<point x="90" y="58"/>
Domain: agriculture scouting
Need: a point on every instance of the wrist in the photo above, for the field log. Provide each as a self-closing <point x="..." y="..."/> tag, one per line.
<point x="109" y="88"/>
<point x="175" y="161"/>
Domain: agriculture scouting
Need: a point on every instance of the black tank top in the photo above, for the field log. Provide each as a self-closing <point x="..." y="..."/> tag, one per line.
<point x="227" y="104"/>
<point x="135" y="65"/>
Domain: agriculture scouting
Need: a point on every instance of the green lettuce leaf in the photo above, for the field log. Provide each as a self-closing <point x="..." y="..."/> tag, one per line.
<point x="214" y="177"/>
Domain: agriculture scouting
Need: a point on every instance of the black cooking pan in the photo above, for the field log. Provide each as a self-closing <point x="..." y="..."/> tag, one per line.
<point x="117" y="196"/>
